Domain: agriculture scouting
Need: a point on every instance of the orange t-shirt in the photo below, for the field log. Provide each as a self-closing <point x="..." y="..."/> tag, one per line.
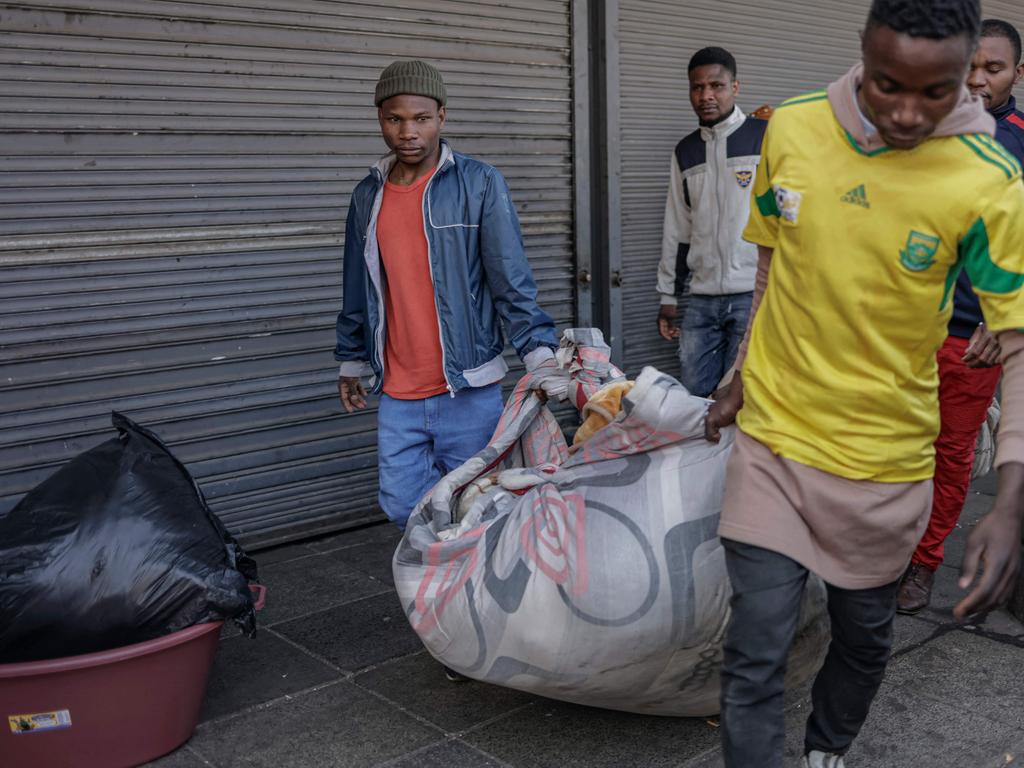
<point x="413" y="362"/>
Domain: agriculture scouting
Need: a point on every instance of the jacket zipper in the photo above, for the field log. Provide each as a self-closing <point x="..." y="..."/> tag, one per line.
<point x="433" y="282"/>
<point x="381" y="314"/>
<point x="724" y="259"/>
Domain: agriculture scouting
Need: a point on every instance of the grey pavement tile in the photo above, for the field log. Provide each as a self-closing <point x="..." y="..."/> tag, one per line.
<point x="885" y="749"/>
<point x="281" y="554"/>
<point x="180" y="758"/>
<point x="384" y="532"/>
<point x="953" y="554"/>
<point x="1000" y="622"/>
<point x="970" y="673"/>
<point x="799" y="696"/>
<point x="311" y="584"/>
<point x="904" y="731"/>
<point x="373" y="559"/>
<point x="252" y="671"/>
<point x="910" y="631"/>
<point x="946" y="593"/>
<point x="976" y="506"/>
<point x="900" y="732"/>
<point x="986" y="484"/>
<point x="450" y="754"/>
<point x="356" y="635"/>
<point x="337" y="726"/>
<point x="552" y="734"/>
<point x="882" y="745"/>
<point x="418" y="684"/>
<point x="712" y="759"/>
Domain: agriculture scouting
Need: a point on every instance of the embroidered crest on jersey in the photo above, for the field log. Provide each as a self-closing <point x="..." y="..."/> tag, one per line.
<point x="743" y="178"/>
<point x="788" y="203"/>
<point x="919" y="253"/>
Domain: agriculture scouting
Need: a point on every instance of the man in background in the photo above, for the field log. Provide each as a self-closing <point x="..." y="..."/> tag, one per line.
<point x="968" y="360"/>
<point x="703" y="252"/>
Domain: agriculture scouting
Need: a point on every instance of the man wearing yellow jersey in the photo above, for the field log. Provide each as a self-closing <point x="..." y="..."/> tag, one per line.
<point x="871" y="197"/>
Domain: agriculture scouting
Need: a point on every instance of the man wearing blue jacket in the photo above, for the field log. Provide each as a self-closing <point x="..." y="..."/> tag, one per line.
<point x="434" y="270"/>
<point x="968" y="360"/>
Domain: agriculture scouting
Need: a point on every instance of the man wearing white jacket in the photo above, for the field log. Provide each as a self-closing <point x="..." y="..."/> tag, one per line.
<point x="707" y="207"/>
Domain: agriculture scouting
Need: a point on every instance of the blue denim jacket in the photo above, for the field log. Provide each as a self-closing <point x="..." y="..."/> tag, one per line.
<point x="481" y="276"/>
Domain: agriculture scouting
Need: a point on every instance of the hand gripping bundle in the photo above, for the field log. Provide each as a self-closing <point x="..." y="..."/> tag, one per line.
<point x="593" y="576"/>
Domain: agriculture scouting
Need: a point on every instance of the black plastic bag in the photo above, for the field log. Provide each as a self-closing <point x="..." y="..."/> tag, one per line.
<point x="117" y="547"/>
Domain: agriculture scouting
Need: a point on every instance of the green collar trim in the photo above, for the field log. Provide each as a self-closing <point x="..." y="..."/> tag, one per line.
<point x="856" y="147"/>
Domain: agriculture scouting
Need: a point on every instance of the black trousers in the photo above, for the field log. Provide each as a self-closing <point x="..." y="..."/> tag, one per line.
<point x="767" y="590"/>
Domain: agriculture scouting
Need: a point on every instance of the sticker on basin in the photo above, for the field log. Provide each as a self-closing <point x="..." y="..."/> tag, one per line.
<point x="39" y="722"/>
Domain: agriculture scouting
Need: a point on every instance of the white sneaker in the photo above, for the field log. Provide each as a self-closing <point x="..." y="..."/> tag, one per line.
<point x="818" y="759"/>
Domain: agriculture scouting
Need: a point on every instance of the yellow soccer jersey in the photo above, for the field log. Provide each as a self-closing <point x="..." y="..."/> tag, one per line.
<point x="840" y="372"/>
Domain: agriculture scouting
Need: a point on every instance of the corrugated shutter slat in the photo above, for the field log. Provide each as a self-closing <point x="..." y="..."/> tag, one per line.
<point x="173" y="187"/>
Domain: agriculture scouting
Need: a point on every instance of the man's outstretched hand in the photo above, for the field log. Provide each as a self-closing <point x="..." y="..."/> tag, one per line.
<point x="667" y="322"/>
<point x="351" y="393"/>
<point x="994" y="545"/>
<point x="723" y="411"/>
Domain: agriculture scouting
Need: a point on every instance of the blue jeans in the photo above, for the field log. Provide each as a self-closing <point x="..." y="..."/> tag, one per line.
<point x="420" y="441"/>
<point x="711" y="330"/>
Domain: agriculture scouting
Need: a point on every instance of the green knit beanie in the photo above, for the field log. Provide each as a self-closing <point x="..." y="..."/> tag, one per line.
<point x="412" y="78"/>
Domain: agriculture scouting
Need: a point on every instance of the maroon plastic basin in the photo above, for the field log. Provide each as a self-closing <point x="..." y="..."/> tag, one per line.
<point x="111" y="709"/>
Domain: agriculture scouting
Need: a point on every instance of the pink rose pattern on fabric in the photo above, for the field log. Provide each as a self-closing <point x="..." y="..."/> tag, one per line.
<point x="611" y="444"/>
<point x="450" y="564"/>
<point x="553" y="538"/>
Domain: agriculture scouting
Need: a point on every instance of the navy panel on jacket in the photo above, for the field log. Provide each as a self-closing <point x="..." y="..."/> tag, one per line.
<point x="743" y="142"/>
<point x="747" y="139"/>
<point x="966" y="307"/>
<point x="692" y="151"/>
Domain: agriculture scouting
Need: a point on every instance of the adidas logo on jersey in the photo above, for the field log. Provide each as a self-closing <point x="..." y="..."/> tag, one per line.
<point x="857" y="196"/>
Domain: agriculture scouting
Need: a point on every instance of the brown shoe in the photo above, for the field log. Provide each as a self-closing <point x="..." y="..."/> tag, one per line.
<point x="915" y="589"/>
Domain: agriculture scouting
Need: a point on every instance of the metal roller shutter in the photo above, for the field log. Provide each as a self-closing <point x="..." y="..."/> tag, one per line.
<point x="782" y="49"/>
<point x="173" y="184"/>
<point x="1011" y="11"/>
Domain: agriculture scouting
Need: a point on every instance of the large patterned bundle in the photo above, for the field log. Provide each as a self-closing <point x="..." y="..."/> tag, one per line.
<point x="594" y="576"/>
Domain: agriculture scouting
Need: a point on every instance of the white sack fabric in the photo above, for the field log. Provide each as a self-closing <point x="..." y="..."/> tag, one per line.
<point x="985" y="446"/>
<point x="596" y="576"/>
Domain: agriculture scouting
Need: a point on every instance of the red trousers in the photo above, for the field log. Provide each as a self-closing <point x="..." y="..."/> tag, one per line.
<point x="964" y="397"/>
